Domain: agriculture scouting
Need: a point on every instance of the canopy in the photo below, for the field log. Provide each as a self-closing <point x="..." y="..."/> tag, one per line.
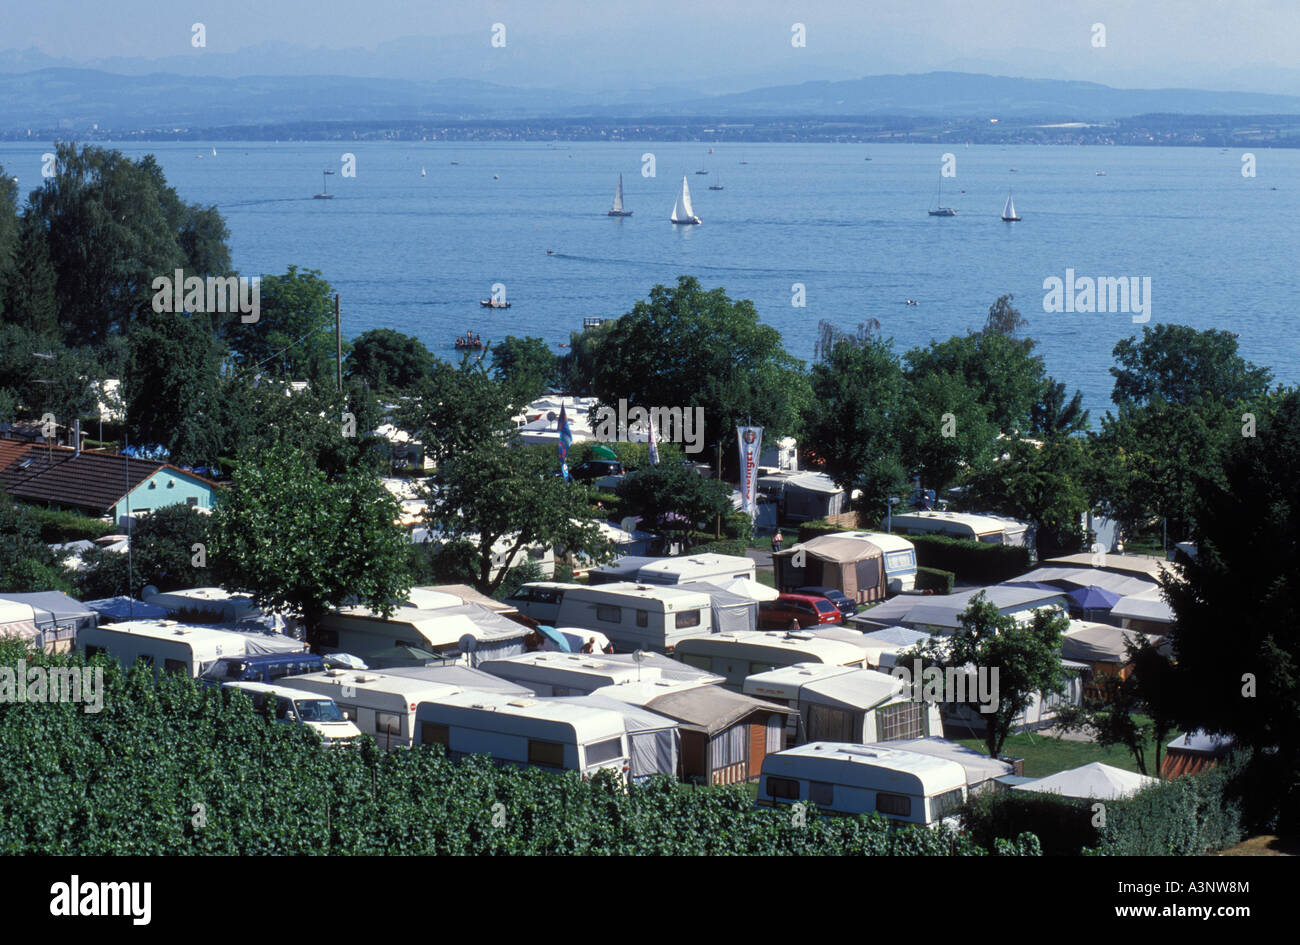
<point x="576" y="638"/>
<point x="1099" y="643"/>
<point x="849" y="565"/>
<point x="710" y="709"/>
<point x="732" y="613"/>
<point x="1093" y="597"/>
<point x="979" y="767"/>
<point x="600" y="451"/>
<point x="751" y="589"/>
<point x="555" y="636"/>
<point x="54" y="608"/>
<point x="1090" y="781"/>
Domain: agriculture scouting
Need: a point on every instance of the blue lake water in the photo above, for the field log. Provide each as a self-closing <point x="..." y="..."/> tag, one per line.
<point x="417" y="253"/>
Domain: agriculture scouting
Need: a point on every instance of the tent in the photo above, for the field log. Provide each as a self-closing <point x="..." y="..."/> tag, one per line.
<point x="1099" y="642"/>
<point x="1093" y="600"/>
<point x="670" y="670"/>
<point x="124" y="608"/>
<point x="58" y="617"/>
<point x="855" y="567"/>
<point x="575" y="638"/>
<point x="751" y="589"/>
<point x="732" y="613"/>
<point x="654" y="742"/>
<point x="17" y="620"/>
<point x="980" y="768"/>
<point x="1091" y="781"/>
<point x="558" y="640"/>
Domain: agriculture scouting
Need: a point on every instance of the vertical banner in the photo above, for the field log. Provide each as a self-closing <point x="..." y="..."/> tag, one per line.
<point x="566" y="440"/>
<point x="750" y="440"/>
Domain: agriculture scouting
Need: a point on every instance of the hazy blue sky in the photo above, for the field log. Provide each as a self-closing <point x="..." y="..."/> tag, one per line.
<point x="1249" y="45"/>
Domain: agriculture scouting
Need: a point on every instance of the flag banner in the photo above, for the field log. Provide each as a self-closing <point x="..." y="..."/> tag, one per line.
<point x="566" y="440"/>
<point x="654" y="446"/>
<point x="750" y="440"/>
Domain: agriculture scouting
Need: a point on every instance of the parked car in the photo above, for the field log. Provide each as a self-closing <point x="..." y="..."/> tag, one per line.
<point x="594" y="469"/>
<point x="810" y="610"/>
<point x="846" y="605"/>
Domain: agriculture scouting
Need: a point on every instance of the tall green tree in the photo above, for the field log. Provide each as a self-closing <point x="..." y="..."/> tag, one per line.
<point x="686" y="346"/>
<point x="26" y="563"/>
<point x="388" y="360"/>
<point x="853" y="420"/>
<point x="9" y="226"/>
<point x="457" y="407"/>
<point x="303" y="543"/>
<point x="1044" y="484"/>
<point x="527" y="366"/>
<point x="293" y="337"/>
<point x="673" y="500"/>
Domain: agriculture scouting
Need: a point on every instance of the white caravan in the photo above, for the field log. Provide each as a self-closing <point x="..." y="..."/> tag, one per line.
<point x="701" y="567"/>
<point x="904" y="786"/>
<point x="318" y="713"/>
<point x="566" y="674"/>
<point x="379" y="705"/>
<point x="638" y="616"/>
<point x="736" y="656"/>
<point x="167" y="646"/>
<point x="542" y="732"/>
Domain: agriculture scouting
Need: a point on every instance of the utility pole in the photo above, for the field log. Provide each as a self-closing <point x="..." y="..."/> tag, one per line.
<point x="338" y="341"/>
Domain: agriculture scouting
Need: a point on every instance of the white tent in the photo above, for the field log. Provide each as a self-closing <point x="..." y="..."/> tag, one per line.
<point x="744" y="587"/>
<point x="1091" y="781"/>
<point x="654" y="742"/>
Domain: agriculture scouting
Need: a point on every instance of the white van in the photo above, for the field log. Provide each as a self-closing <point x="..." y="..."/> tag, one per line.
<point x="167" y="646"/>
<point x="905" y="786"/>
<point x="736" y="656"/>
<point x="701" y="567"/>
<point x="638" y="616"/>
<point x="318" y="713"/>
<point x="547" y="733"/>
<point x="378" y="704"/>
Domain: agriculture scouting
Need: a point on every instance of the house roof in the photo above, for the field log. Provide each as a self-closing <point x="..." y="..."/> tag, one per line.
<point x="64" y="476"/>
<point x="12" y="450"/>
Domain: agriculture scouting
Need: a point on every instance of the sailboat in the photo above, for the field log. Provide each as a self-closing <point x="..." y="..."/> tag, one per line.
<point x="617" y="210"/>
<point x="325" y="191"/>
<point x="214" y="152"/>
<point x="942" y="211"/>
<point x="682" y="211"/>
<point x="1009" y="210"/>
<point x="716" y="185"/>
<point x="423" y="172"/>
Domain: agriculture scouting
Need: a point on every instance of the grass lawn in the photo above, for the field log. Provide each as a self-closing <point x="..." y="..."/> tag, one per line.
<point x="766" y="577"/>
<point x="1045" y="755"/>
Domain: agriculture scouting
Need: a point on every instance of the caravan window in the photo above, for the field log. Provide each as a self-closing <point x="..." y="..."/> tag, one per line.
<point x="688" y="618"/>
<point x="176" y="666"/>
<point x="349" y="711"/>
<point x="608" y="613"/>
<point x="433" y="734"/>
<point x="787" y="789"/>
<point x="898" y="560"/>
<point x="545" y="754"/>
<point x="900" y="805"/>
<point x="387" y="723"/>
<point x="829" y="724"/>
<point x="902" y="720"/>
<point x="643" y="618"/>
<point x="600" y="752"/>
<point x="821" y="793"/>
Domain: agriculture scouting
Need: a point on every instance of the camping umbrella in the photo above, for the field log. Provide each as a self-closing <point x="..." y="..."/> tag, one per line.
<point x="1093" y="597"/>
<point x="556" y="637"/>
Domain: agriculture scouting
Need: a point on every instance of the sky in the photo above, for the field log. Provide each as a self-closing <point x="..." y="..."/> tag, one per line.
<point x="1246" y="45"/>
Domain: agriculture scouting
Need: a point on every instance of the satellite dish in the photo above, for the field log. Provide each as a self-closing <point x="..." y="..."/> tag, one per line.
<point x="639" y="656"/>
<point x="148" y="591"/>
<point x="628" y="524"/>
<point x="468" y="643"/>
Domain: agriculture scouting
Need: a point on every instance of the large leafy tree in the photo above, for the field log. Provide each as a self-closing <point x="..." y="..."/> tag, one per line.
<point x="455" y="408"/>
<point x="945" y="429"/>
<point x="1027" y="659"/>
<point x="8" y="239"/>
<point x="852" y="424"/>
<point x="500" y="498"/>
<point x="673" y="500"/>
<point x="302" y="542"/>
<point x="388" y="360"/>
<point x="26" y="562"/>
<point x="1236" y="635"/>
<point x="111" y="226"/>
<point x="686" y="346"/>
<point x="527" y="366"/>
<point x="173" y="389"/>
<point x="293" y="337"/>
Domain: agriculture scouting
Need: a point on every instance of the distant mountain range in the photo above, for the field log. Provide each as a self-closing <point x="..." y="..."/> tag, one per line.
<point x="77" y="99"/>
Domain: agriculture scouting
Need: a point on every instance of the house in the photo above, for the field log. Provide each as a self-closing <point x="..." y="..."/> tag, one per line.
<point x="725" y="735"/>
<point x="855" y="568"/>
<point x="97" y="483"/>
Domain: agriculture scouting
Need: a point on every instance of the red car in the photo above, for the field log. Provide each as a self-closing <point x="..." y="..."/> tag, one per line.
<point x="808" y="609"/>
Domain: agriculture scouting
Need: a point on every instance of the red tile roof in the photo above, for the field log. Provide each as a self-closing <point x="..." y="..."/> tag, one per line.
<point x="93" y="481"/>
<point x="12" y="450"/>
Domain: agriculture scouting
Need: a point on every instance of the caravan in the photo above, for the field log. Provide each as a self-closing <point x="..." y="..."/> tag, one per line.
<point x="637" y="616"/>
<point x="701" y="567"/>
<point x="561" y="735"/>
<point x="566" y="674"/>
<point x="167" y="646"/>
<point x="736" y="656"/>
<point x="907" y="787"/>
<point x="900" y="558"/>
<point x="989" y="529"/>
<point x="378" y="704"/>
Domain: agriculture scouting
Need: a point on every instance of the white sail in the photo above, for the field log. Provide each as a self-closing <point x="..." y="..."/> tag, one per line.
<point x="618" y="196"/>
<point x="1009" y="211"/>
<point x="682" y="210"/>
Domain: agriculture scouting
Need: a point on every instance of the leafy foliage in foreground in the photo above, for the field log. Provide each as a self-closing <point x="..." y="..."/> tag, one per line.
<point x="126" y="781"/>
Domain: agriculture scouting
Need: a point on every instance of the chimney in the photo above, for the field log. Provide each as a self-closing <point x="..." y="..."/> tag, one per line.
<point x="76" y="436"/>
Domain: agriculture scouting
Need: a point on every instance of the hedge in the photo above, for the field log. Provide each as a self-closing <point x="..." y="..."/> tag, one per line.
<point x="811" y="530"/>
<point x="59" y="526"/>
<point x="168" y="768"/>
<point x="932" y="579"/>
<point x="1187" y="816"/>
<point x="728" y="546"/>
<point x="974" y="562"/>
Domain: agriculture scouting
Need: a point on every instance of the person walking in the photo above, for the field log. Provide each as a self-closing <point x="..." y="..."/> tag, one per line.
<point x="776" y="541"/>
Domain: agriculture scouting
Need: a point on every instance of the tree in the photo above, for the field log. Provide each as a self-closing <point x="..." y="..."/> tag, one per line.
<point x="293" y="336"/>
<point x="163" y="546"/>
<point x="1003" y="319"/>
<point x="857" y="405"/>
<point x="112" y="225"/>
<point x="503" y="499"/>
<point x="1052" y="415"/>
<point x="1027" y="660"/>
<point x="945" y="428"/>
<point x="456" y="408"/>
<point x="687" y="347"/>
<point x="527" y="366"/>
<point x="26" y="563"/>
<point x="1246" y="683"/>
<point x="8" y="239"/>
<point x="173" y="389"/>
<point x="1180" y="365"/>
<point x="388" y="360"/>
<point x="303" y="543"/>
<point x="673" y="500"/>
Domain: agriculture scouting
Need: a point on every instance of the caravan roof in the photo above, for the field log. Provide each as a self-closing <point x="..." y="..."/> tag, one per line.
<point x="694" y="567"/>
<point x="554" y="667"/>
<point x="173" y="630"/>
<point x="908" y="772"/>
<point x="784" y="682"/>
<point x="958" y="523"/>
<point x="587" y="721"/>
<point x="882" y="540"/>
<point x="410" y="689"/>
<point x="801" y="642"/>
<point x="671" y="596"/>
<point x="843" y="686"/>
